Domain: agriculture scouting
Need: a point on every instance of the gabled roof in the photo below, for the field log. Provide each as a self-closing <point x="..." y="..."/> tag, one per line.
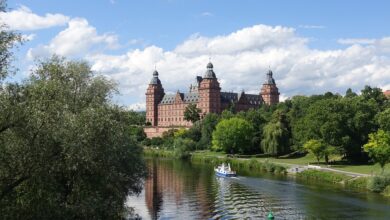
<point x="191" y="97"/>
<point x="229" y="97"/>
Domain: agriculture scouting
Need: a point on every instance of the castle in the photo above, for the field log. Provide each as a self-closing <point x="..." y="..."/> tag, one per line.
<point x="164" y="111"/>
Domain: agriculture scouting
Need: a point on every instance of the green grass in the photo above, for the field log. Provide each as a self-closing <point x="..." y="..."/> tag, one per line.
<point x="309" y="159"/>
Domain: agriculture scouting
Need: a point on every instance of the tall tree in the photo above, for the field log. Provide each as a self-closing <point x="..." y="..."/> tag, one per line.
<point x="68" y="152"/>
<point x="276" y="135"/>
<point x="232" y="135"/>
<point x="378" y="147"/>
<point x="8" y="40"/>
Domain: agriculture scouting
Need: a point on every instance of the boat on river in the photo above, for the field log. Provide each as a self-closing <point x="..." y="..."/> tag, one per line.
<point x="225" y="170"/>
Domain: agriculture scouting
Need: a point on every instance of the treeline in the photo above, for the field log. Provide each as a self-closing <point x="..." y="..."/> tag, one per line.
<point x="322" y="124"/>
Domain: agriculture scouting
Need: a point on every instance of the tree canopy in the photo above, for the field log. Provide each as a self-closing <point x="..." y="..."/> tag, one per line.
<point x="65" y="151"/>
<point x="378" y="147"/>
<point x="232" y="135"/>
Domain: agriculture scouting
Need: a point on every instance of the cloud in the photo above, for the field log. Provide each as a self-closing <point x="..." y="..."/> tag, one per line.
<point x="77" y="39"/>
<point x="356" y="41"/>
<point x="24" y="19"/>
<point x="311" y="26"/>
<point x="240" y="60"/>
<point x="141" y="106"/>
<point x="206" y="14"/>
<point x="28" y="37"/>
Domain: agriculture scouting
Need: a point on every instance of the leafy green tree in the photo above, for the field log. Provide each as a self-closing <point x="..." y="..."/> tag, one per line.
<point x="384" y="120"/>
<point x="375" y="94"/>
<point x="232" y="135"/>
<point x="349" y="93"/>
<point x="65" y="151"/>
<point x="192" y="113"/>
<point x="378" y="147"/>
<point x="183" y="147"/>
<point x="315" y="147"/>
<point x="276" y="135"/>
<point x="208" y="124"/>
<point x="8" y="40"/>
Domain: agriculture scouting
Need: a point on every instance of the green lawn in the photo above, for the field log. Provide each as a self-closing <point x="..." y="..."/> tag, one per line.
<point x="364" y="169"/>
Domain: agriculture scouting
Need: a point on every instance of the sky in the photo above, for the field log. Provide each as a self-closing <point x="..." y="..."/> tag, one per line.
<point x="311" y="46"/>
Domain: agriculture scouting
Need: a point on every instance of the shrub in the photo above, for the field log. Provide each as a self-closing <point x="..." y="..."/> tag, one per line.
<point x="378" y="183"/>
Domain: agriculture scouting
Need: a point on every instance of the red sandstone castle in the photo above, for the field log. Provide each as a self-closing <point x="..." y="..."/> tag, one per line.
<point x="163" y="110"/>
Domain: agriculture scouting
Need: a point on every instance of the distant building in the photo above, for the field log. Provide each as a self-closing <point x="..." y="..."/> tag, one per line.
<point x="387" y="93"/>
<point x="165" y="111"/>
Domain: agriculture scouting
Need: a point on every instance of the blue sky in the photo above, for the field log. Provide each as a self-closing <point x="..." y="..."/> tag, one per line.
<point x="126" y="34"/>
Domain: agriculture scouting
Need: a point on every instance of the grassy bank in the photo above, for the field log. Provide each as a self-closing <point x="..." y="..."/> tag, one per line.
<point x="150" y="152"/>
<point x="250" y="164"/>
<point x="334" y="178"/>
<point x="280" y="166"/>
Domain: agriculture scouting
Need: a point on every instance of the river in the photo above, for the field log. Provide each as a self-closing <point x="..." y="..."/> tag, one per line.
<point x="183" y="190"/>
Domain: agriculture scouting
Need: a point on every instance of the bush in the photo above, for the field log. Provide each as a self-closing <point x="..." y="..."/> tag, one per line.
<point x="386" y="191"/>
<point x="322" y="176"/>
<point x="183" y="147"/>
<point x="378" y="183"/>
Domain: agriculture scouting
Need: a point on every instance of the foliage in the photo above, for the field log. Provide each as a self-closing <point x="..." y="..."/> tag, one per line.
<point x="192" y="113"/>
<point x="232" y="135"/>
<point x="316" y="148"/>
<point x="183" y="147"/>
<point x="8" y="39"/>
<point x="276" y="135"/>
<point x="207" y="127"/>
<point x="378" y="183"/>
<point x="65" y="151"/>
<point x="322" y="176"/>
<point x="378" y="147"/>
<point x="384" y="120"/>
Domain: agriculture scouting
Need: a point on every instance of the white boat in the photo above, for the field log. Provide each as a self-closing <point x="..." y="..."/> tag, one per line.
<point x="224" y="170"/>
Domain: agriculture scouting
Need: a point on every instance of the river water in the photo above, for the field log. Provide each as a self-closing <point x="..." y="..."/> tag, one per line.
<point x="183" y="190"/>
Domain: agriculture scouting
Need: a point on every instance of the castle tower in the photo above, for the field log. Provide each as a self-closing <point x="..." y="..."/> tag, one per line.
<point x="154" y="94"/>
<point x="269" y="91"/>
<point x="209" y="92"/>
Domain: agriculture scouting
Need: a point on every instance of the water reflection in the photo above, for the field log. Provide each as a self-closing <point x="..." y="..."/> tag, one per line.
<point x="181" y="190"/>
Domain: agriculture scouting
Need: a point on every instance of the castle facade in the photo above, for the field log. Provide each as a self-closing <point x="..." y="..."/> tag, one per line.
<point x="164" y="111"/>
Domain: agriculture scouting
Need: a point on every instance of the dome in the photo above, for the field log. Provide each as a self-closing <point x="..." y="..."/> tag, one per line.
<point x="209" y="74"/>
<point x="155" y="80"/>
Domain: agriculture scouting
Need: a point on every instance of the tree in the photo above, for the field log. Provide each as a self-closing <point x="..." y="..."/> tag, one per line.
<point x="276" y="135"/>
<point x="192" y="113"/>
<point x="232" y="135"/>
<point x="349" y="93"/>
<point x="8" y="39"/>
<point x="378" y="147"/>
<point x="384" y="120"/>
<point x="315" y="147"/>
<point x="208" y="124"/>
<point x="66" y="152"/>
<point x="183" y="147"/>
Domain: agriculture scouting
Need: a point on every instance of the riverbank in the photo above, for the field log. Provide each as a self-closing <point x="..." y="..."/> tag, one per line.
<point x="347" y="180"/>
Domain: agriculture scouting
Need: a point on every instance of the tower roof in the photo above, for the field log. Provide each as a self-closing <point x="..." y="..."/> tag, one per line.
<point x="209" y="74"/>
<point x="269" y="80"/>
<point x="155" y="80"/>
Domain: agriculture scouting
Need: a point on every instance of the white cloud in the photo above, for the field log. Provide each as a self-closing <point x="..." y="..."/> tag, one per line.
<point x="207" y="14"/>
<point x="77" y="39"/>
<point x="24" y="19"/>
<point x="28" y="37"/>
<point x="240" y="60"/>
<point x="141" y="106"/>
<point x="311" y="26"/>
<point x="356" y="41"/>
